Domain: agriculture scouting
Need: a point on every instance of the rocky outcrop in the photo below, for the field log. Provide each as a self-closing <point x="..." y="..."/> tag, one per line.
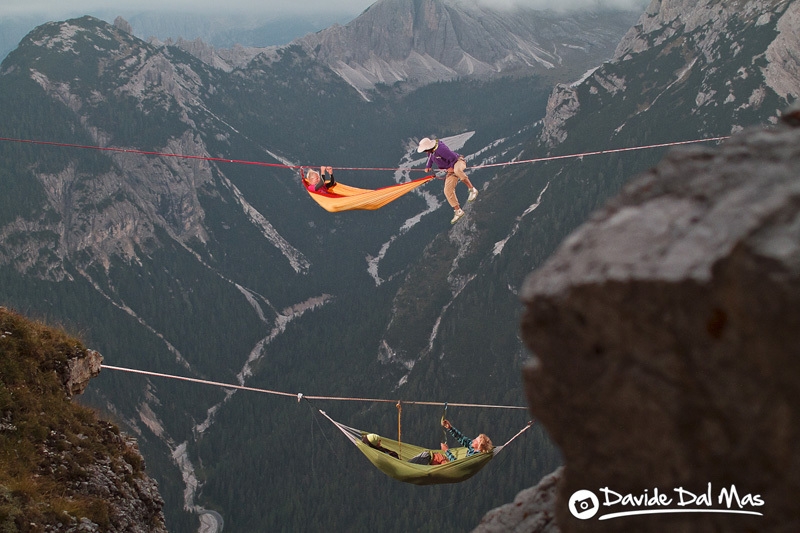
<point x="665" y="18"/>
<point x="665" y="340"/>
<point x="123" y="25"/>
<point x="68" y="471"/>
<point x="79" y="369"/>
<point x="223" y="59"/>
<point x="532" y="510"/>
<point x="131" y="501"/>
<point x="783" y="65"/>
<point x="562" y="105"/>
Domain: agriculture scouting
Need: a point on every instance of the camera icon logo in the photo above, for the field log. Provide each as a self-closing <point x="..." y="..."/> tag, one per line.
<point x="583" y="504"/>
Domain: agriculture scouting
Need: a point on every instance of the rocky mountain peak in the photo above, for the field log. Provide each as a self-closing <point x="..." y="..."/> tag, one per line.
<point x="423" y="41"/>
<point x="665" y="18"/>
<point x="733" y="56"/>
<point x="106" y="77"/>
<point x="123" y="25"/>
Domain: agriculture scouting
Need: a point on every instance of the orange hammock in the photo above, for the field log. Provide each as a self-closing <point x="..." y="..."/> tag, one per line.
<point x="342" y="197"/>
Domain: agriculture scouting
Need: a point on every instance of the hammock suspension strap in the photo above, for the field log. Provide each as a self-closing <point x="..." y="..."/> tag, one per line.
<point x="444" y="416"/>
<point x="399" y="425"/>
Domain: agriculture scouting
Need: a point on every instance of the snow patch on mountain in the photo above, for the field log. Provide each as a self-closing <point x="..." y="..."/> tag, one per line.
<point x="296" y="259"/>
<point x="499" y="245"/>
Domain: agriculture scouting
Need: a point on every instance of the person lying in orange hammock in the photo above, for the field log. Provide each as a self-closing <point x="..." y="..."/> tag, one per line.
<point x="321" y="181"/>
<point x="334" y="196"/>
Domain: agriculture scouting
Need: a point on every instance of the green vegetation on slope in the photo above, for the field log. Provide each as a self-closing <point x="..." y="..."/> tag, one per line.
<point x="47" y="443"/>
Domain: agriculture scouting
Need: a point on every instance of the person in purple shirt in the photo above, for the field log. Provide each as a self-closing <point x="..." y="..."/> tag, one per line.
<point x="445" y="158"/>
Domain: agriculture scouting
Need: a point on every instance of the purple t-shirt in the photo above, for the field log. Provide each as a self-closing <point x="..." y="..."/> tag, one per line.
<point x="443" y="156"/>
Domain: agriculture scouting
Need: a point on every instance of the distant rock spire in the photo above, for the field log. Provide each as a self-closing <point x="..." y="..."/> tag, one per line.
<point x="123" y="25"/>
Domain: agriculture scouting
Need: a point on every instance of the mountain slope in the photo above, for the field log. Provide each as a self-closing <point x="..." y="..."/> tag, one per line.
<point x="722" y="63"/>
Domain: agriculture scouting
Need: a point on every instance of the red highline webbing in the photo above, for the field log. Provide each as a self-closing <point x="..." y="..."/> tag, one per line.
<point x="283" y="165"/>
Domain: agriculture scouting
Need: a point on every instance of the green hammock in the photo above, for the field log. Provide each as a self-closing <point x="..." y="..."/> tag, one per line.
<point x="400" y="469"/>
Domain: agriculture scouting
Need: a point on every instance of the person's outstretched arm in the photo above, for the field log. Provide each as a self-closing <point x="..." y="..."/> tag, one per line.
<point x="464" y="441"/>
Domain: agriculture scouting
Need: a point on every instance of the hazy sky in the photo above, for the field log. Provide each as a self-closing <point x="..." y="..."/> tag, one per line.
<point x="57" y="8"/>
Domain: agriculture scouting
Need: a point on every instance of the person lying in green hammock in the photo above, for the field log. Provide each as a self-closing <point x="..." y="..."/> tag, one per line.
<point x="480" y="444"/>
<point x="374" y="441"/>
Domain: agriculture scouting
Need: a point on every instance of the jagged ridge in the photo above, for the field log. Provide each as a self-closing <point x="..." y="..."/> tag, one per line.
<point x="423" y="41"/>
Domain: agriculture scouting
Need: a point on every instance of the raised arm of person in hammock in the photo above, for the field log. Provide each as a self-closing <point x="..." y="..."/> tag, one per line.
<point x="479" y="444"/>
<point x="327" y="176"/>
<point x="321" y="180"/>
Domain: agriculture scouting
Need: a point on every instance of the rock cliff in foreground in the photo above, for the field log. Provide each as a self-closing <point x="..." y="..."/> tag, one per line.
<point x="665" y="335"/>
<point x="62" y="469"/>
